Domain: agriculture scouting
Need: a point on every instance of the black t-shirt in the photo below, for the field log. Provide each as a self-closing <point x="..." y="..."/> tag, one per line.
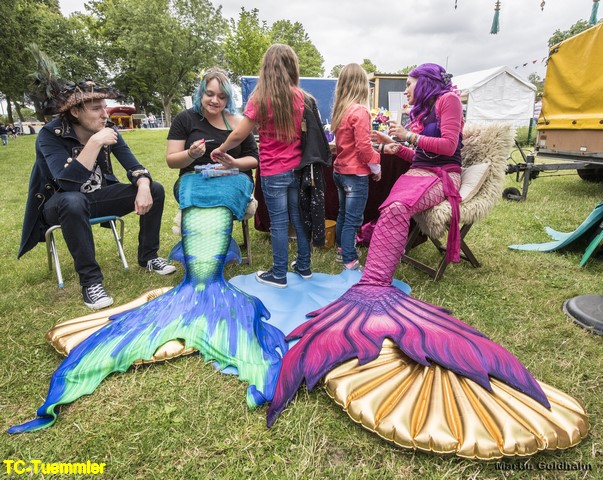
<point x="190" y="127"/>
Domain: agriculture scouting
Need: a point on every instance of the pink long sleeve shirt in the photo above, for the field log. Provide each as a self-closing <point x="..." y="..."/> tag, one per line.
<point x="449" y="112"/>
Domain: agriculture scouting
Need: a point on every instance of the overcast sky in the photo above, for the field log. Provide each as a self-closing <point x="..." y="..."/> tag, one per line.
<point x="397" y="33"/>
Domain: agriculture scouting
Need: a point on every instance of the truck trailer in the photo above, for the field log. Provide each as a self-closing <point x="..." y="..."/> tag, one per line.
<point x="570" y="124"/>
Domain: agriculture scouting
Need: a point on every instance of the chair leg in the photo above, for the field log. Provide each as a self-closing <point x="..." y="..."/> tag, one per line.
<point x="119" y="238"/>
<point x="438" y="272"/>
<point x="246" y="245"/>
<point x="469" y="255"/>
<point x="51" y="248"/>
<point x="53" y="256"/>
<point x="420" y="266"/>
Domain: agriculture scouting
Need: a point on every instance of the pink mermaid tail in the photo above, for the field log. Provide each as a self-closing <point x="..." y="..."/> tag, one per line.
<point x="356" y="324"/>
<point x="422" y="377"/>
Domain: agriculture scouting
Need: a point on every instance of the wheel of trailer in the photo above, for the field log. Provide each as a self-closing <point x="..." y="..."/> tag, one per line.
<point x="511" y="193"/>
<point x="591" y="174"/>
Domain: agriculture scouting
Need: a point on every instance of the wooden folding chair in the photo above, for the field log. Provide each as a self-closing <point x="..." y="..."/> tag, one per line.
<point x="486" y="150"/>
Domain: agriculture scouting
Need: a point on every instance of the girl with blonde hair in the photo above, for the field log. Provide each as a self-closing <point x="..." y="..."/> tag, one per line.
<point x="356" y="159"/>
<point x="276" y="108"/>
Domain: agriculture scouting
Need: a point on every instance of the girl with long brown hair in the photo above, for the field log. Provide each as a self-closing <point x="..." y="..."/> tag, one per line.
<point x="276" y="108"/>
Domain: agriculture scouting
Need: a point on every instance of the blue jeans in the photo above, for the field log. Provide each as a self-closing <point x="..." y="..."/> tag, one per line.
<point x="281" y="194"/>
<point x="353" y="194"/>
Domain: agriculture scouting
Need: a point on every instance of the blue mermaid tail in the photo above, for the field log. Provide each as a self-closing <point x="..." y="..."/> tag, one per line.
<point x="205" y="311"/>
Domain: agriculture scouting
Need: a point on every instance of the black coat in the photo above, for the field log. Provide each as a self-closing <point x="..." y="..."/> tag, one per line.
<point x="55" y="169"/>
<point x="316" y="154"/>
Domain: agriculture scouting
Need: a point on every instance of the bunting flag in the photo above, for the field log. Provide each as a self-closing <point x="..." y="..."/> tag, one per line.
<point x="496" y="21"/>
<point x="593" y="14"/>
<point x="533" y="62"/>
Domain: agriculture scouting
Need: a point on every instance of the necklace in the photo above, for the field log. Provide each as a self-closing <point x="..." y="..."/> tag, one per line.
<point x="436" y="155"/>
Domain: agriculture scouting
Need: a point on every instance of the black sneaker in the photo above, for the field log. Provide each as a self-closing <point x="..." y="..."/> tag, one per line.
<point x="305" y="274"/>
<point x="161" y="266"/>
<point x="268" y="278"/>
<point x="95" y="296"/>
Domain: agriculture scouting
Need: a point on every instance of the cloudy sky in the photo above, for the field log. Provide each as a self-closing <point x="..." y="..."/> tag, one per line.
<point x="397" y="33"/>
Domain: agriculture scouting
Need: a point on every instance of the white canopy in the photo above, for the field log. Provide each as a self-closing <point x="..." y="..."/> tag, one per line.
<point x="497" y="94"/>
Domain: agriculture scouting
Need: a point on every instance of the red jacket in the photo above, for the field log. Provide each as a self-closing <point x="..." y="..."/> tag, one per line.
<point x="353" y="138"/>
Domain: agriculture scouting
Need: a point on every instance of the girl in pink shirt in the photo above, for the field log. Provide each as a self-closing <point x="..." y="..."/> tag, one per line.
<point x="356" y="159"/>
<point x="276" y="108"/>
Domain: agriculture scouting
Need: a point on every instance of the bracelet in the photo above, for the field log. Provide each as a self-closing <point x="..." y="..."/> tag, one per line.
<point x="408" y="136"/>
<point x="417" y="140"/>
<point x="188" y="151"/>
<point x="382" y="148"/>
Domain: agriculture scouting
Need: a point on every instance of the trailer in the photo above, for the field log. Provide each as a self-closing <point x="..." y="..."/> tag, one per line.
<point x="570" y="124"/>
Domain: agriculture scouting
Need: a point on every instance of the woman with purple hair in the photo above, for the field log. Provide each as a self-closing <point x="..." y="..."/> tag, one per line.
<point x="434" y="135"/>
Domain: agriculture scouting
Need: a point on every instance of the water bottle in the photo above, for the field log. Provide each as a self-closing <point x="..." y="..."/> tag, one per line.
<point x="210" y="171"/>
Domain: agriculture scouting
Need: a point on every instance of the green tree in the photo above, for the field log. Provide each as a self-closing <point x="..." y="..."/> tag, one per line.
<point x="25" y="22"/>
<point x="246" y="42"/>
<point x="535" y="80"/>
<point x="250" y="37"/>
<point x="76" y="50"/>
<point x="311" y="62"/>
<point x="336" y="70"/>
<point x="155" y="47"/>
<point x="406" y="70"/>
<point x="369" y="67"/>
<point x="575" y="29"/>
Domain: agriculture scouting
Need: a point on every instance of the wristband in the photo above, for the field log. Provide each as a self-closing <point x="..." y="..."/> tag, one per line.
<point x="382" y="148"/>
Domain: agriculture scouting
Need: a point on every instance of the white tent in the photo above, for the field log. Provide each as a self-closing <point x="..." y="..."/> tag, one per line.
<point x="497" y="94"/>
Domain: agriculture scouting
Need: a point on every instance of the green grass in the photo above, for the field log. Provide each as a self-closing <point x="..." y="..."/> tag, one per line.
<point x="182" y="419"/>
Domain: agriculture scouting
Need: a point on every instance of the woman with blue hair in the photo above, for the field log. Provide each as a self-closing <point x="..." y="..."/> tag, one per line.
<point x="197" y="131"/>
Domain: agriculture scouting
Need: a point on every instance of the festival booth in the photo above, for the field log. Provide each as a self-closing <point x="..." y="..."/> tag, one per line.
<point x="387" y="91"/>
<point x="322" y="89"/>
<point x="122" y="116"/>
<point x="497" y="95"/>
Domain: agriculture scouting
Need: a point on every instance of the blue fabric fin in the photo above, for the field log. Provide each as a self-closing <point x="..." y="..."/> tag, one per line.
<point x="592" y="247"/>
<point x="177" y="253"/>
<point x="561" y="239"/>
<point x="234" y="252"/>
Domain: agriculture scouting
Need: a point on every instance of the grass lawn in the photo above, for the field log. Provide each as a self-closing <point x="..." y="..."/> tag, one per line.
<point x="182" y="419"/>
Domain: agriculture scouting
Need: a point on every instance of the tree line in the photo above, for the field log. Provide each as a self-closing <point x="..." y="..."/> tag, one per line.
<point x="150" y="50"/>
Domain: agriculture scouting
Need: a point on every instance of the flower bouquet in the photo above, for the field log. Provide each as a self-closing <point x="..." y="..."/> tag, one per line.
<point x="379" y="118"/>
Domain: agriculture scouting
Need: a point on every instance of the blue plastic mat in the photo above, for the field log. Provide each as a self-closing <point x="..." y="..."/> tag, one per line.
<point x="588" y="228"/>
<point x="288" y="306"/>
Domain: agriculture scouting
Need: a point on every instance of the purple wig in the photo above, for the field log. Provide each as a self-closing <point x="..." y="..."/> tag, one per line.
<point x="432" y="82"/>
